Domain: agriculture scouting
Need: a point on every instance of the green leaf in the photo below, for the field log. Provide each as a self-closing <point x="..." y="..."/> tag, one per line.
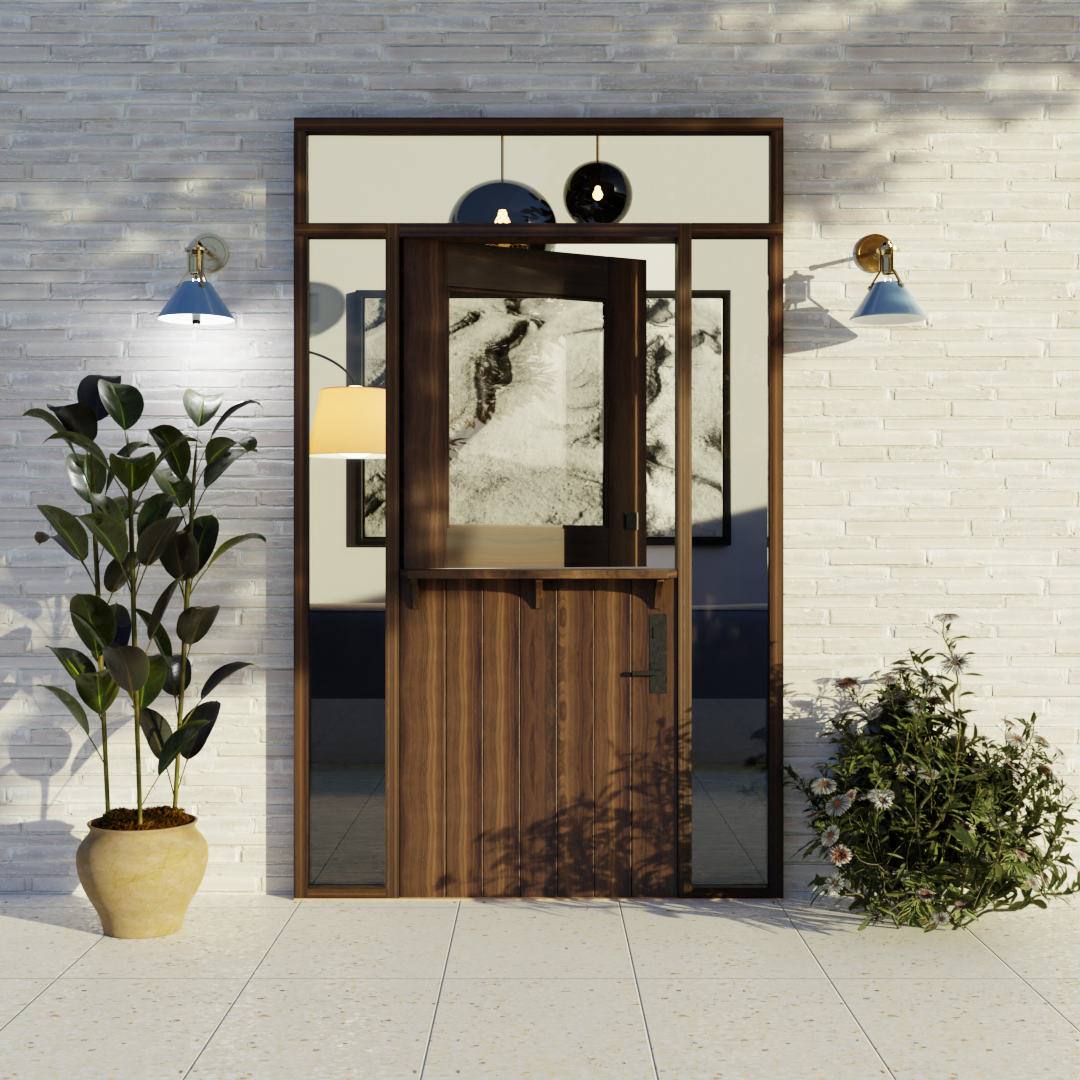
<point x="133" y="473"/>
<point x="73" y="706"/>
<point x="153" y="620"/>
<point x="129" y="666"/>
<point x="159" y="668"/>
<point x="249" y="444"/>
<point x="161" y="640"/>
<point x="122" y="402"/>
<point x="174" y="448"/>
<point x="229" y="411"/>
<point x="97" y="689"/>
<point x="155" y="538"/>
<point x="109" y="532"/>
<point x="106" y="504"/>
<point x="123" y="625"/>
<point x="153" y="509"/>
<point x="117" y="574"/>
<point x="172" y="678"/>
<point x="178" y="487"/>
<point x="231" y="543"/>
<point x="73" y="438"/>
<point x="215" y="471"/>
<point x="194" y="624"/>
<point x="75" y="662"/>
<point x="201" y="407"/>
<point x="180" y="557"/>
<point x="68" y="527"/>
<point x="216" y="447"/>
<point x="94" y="621"/>
<point x="184" y="736"/>
<point x="41" y="414"/>
<point x="77" y="417"/>
<point x="206" y="714"/>
<point x="86" y="474"/>
<point x="223" y="673"/>
<point x="205" y="530"/>
<point x="156" y="729"/>
<point x="129" y="448"/>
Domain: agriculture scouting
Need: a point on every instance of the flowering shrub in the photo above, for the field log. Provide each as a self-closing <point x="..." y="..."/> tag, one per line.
<point x="924" y="820"/>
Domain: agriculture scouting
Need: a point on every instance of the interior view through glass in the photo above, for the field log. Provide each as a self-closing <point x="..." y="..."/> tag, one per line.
<point x="526" y="449"/>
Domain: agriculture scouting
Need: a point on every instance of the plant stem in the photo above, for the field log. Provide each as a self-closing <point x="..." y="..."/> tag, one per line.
<point x="136" y="698"/>
<point x="101" y="667"/>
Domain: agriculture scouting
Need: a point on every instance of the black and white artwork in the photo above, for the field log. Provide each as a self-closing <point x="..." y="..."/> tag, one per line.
<point x="365" y="322"/>
<point x="708" y="420"/>
<point x="526" y="408"/>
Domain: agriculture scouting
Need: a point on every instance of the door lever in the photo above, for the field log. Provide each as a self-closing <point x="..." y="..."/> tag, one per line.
<point x="657" y="672"/>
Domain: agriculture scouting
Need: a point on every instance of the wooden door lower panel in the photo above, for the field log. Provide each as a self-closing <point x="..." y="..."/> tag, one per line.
<point x="532" y="763"/>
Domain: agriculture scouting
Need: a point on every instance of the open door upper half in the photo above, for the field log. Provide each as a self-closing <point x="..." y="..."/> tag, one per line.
<point x="522" y="407"/>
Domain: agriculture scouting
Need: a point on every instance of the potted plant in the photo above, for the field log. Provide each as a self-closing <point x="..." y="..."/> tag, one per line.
<point x="927" y="822"/>
<point x="141" y="866"/>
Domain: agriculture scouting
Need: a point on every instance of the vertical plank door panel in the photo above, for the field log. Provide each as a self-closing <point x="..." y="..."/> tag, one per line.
<point x="611" y="841"/>
<point x="538" y="742"/>
<point x="425" y="414"/>
<point x="422" y="735"/>
<point x="575" y="752"/>
<point x="464" y="737"/>
<point x="502" y="763"/>
<point x="655" y="779"/>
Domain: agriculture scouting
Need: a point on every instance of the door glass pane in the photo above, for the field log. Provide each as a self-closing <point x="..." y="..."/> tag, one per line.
<point x="731" y="646"/>
<point x="347" y="584"/>
<point x="526" y="411"/>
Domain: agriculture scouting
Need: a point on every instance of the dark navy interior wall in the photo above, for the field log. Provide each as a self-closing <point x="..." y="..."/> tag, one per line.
<point x="348" y="654"/>
<point x="731" y="654"/>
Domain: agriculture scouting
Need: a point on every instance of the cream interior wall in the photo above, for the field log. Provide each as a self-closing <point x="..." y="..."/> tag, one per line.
<point x="928" y="468"/>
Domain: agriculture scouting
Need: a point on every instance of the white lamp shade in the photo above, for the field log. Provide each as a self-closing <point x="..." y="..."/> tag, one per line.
<point x="350" y="422"/>
<point x="888" y="303"/>
<point x="193" y="302"/>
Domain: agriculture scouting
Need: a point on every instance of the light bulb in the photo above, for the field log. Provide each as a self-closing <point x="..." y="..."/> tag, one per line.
<point x="502" y="218"/>
<point x="598" y="193"/>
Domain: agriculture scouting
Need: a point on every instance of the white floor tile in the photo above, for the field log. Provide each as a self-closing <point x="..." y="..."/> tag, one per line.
<point x="536" y="1029"/>
<point x="342" y="1029"/>
<point x="16" y="993"/>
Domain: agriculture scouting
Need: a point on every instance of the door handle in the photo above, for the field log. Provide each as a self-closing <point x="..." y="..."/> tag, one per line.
<point x="657" y="672"/>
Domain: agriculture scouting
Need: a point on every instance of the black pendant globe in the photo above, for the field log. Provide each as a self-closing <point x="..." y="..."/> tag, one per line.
<point x="501" y="203"/>
<point x="598" y="193"/>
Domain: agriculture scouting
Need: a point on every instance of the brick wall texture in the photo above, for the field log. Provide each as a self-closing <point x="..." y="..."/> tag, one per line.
<point x="929" y="468"/>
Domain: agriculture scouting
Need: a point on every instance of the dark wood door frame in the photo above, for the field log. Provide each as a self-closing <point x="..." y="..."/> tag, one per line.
<point x="682" y="236"/>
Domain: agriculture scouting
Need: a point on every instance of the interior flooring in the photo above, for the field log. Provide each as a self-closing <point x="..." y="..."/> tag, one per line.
<point x="262" y="986"/>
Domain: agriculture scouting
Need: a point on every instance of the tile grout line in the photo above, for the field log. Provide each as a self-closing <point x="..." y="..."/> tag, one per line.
<point x="52" y="982"/>
<point x="1033" y="989"/>
<point x="637" y="990"/>
<point x="247" y="983"/>
<point x="836" y="991"/>
<point x="438" y="996"/>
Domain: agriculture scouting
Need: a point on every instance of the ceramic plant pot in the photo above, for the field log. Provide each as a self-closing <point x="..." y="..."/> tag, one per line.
<point x="142" y="882"/>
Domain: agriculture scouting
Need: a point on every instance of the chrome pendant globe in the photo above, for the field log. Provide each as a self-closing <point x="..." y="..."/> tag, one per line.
<point x="502" y="202"/>
<point x="597" y="193"/>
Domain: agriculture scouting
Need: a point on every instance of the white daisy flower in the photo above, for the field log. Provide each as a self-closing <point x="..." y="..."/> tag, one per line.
<point x="927" y="774"/>
<point x="1032" y="882"/>
<point x="1014" y="738"/>
<point x="830" y="836"/>
<point x="924" y="893"/>
<point x="1021" y="855"/>
<point x="852" y="794"/>
<point x="939" y="918"/>
<point x="880" y="798"/>
<point x="904" y="770"/>
<point x="840" y="855"/>
<point x="823" y="785"/>
<point x="956" y="662"/>
<point x="1041" y="741"/>
<point x="946" y="617"/>
<point x="837" y="805"/>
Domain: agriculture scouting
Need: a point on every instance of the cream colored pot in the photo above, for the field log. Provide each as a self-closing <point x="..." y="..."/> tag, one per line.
<point x="142" y="882"/>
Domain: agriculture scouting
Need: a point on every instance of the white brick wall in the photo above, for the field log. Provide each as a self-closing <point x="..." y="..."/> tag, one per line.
<point x="928" y="468"/>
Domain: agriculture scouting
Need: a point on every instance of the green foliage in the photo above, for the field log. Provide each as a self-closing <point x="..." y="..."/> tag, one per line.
<point x="926" y="821"/>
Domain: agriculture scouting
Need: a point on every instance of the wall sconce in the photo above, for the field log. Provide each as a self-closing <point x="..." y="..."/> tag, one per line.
<point x="350" y="421"/>
<point x="887" y="303"/>
<point x="194" y="302"/>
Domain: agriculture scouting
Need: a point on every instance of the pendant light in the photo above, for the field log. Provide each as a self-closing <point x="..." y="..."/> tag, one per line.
<point x="350" y="421"/>
<point x="887" y="303"/>
<point x="598" y="192"/>
<point x="195" y="302"/>
<point x="502" y="202"/>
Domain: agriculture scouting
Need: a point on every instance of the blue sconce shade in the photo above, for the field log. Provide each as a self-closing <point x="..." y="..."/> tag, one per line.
<point x="196" y="302"/>
<point x="502" y="203"/>
<point x="888" y="303"/>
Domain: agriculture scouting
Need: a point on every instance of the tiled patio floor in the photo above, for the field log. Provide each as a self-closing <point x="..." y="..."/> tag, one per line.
<point x="263" y="987"/>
